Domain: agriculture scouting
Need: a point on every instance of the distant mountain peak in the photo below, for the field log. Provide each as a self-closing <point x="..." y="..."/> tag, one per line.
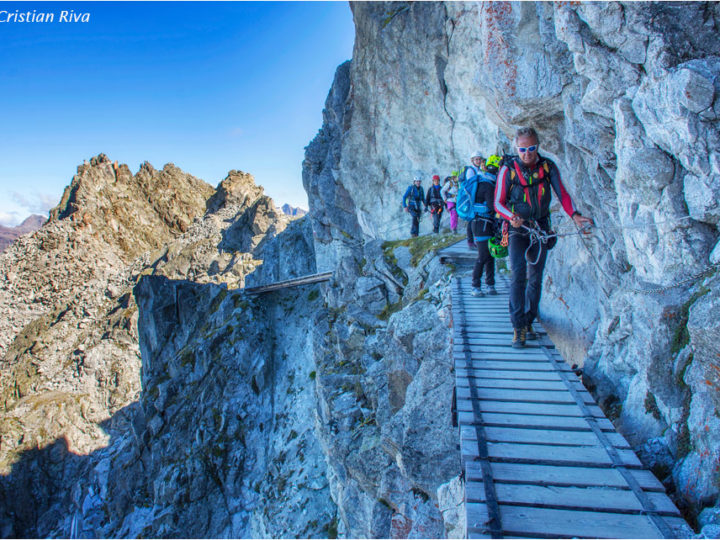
<point x="9" y="234"/>
<point x="293" y="211"/>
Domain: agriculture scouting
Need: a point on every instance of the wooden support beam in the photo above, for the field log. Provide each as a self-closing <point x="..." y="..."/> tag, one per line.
<point x="304" y="280"/>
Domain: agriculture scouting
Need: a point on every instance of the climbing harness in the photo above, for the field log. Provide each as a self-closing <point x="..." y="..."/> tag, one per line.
<point x="542" y="238"/>
<point x="532" y="199"/>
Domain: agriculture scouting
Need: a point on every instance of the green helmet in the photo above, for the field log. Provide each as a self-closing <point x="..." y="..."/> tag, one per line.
<point x="496" y="249"/>
<point x="493" y="163"/>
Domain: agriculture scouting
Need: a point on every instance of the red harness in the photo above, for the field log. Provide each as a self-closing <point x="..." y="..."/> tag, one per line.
<point x="526" y="185"/>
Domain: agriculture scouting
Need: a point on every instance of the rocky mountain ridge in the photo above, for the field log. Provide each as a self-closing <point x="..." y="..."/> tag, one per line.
<point x="70" y="350"/>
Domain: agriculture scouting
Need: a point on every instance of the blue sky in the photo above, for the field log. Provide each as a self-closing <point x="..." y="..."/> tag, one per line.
<point x="209" y="86"/>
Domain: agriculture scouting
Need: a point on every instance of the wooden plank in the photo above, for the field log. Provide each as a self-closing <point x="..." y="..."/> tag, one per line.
<point x="530" y="396"/>
<point x="519" y="355"/>
<point x="544" y="436"/>
<point x="479" y="333"/>
<point x="534" y="396"/>
<point x="582" y="455"/>
<point x="493" y="339"/>
<point x="603" y="499"/>
<point x="512" y="355"/>
<point x="564" y="523"/>
<point x="504" y="331"/>
<point x="523" y="473"/>
<point x="491" y="313"/>
<point x="492" y="350"/>
<point x="486" y="329"/>
<point x="521" y="384"/>
<point x="472" y="323"/>
<point x="533" y="421"/>
<point x="499" y="304"/>
<point x="512" y="365"/>
<point x="467" y="287"/>
<point x="497" y="313"/>
<point x="544" y="409"/>
<point x="482" y="317"/>
<point x="500" y="374"/>
<point x="502" y="295"/>
<point x="501" y="298"/>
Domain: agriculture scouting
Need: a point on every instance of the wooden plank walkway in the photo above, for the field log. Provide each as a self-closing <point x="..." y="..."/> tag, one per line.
<point x="540" y="458"/>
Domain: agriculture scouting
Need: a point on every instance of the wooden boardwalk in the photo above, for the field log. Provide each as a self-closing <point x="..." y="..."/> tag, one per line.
<point x="540" y="458"/>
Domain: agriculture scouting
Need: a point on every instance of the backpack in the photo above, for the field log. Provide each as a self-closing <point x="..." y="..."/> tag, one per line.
<point x="466" y="207"/>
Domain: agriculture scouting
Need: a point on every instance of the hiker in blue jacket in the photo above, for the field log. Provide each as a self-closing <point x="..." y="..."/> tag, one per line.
<point x="476" y="167"/>
<point x="413" y="203"/>
<point x="483" y="227"/>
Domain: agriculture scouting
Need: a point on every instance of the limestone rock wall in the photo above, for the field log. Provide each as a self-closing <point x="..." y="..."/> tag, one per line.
<point x="625" y="97"/>
<point x="384" y="371"/>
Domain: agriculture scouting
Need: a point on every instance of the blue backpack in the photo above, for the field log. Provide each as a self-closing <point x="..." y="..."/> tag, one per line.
<point x="466" y="206"/>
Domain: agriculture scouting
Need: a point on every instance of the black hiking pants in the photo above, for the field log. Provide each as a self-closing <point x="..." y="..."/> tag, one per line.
<point x="437" y="214"/>
<point x="484" y="262"/>
<point x="483" y="228"/>
<point x="526" y="278"/>
<point x="415" y="213"/>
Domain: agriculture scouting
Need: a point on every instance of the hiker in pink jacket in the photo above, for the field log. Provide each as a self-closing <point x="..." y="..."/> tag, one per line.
<point x="450" y="191"/>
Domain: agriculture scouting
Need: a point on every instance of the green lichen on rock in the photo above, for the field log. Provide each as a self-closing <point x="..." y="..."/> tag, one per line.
<point x="681" y="337"/>
<point x="651" y="406"/>
<point x="420" y="246"/>
<point x="389" y="309"/>
<point x="332" y="528"/>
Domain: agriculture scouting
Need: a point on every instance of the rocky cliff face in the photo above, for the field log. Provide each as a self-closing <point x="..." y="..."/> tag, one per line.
<point x="625" y="97"/>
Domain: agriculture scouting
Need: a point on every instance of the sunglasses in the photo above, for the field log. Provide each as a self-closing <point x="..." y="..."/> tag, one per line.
<point x="523" y="149"/>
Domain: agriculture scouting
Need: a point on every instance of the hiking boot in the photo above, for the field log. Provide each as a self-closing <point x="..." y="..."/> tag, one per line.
<point x="477" y="291"/>
<point x="491" y="290"/>
<point x="518" y="338"/>
<point x="530" y="333"/>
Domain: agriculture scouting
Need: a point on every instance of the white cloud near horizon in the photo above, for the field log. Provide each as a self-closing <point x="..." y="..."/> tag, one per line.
<point x="9" y="219"/>
<point x="37" y="203"/>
